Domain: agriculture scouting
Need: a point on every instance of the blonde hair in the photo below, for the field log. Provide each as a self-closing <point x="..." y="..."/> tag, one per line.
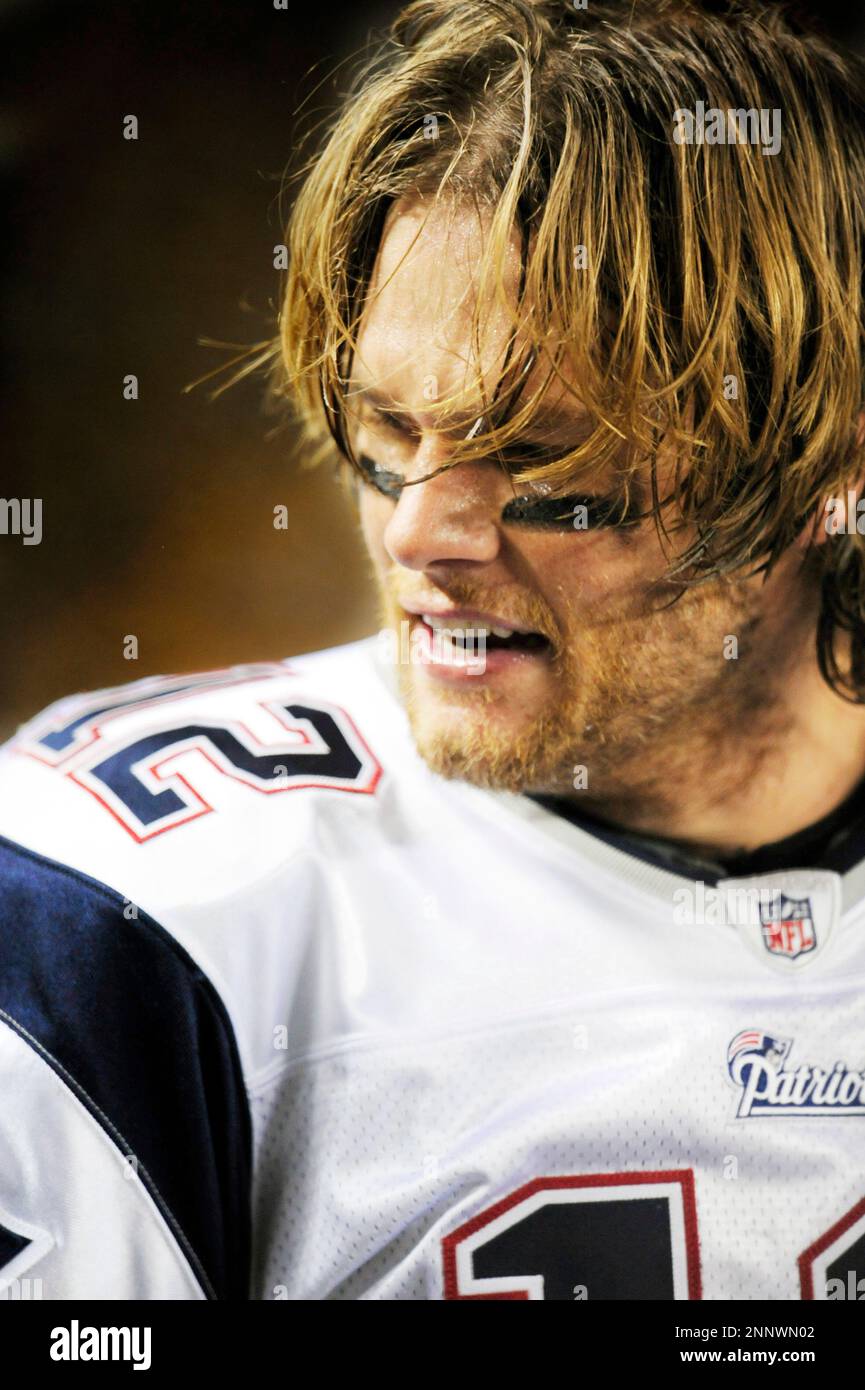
<point x="705" y="264"/>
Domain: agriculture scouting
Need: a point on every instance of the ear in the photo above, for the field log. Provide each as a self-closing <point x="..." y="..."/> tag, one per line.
<point x="839" y="515"/>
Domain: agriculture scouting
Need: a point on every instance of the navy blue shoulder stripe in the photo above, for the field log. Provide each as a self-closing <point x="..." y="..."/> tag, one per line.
<point x="135" y="1028"/>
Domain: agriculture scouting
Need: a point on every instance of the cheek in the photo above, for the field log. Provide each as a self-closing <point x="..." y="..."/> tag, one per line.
<point x="596" y="571"/>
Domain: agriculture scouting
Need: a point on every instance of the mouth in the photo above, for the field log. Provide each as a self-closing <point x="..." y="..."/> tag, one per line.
<point x="456" y="643"/>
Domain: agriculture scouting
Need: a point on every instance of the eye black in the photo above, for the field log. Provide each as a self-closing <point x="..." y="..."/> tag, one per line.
<point x="561" y="514"/>
<point x="385" y="482"/>
<point x="546" y="513"/>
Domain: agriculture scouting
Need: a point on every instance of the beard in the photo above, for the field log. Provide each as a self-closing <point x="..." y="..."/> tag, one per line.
<point x="640" y="700"/>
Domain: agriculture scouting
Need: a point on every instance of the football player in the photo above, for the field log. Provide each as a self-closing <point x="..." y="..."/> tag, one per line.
<point x="516" y="952"/>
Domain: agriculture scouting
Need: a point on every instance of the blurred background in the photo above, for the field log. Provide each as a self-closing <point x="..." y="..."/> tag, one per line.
<point x="121" y="255"/>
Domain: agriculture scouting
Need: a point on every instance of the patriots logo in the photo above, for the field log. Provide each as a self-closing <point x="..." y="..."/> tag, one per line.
<point x="757" y="1066"/>
<point x="787" y="925"/>
<point x="774" y="1050"/>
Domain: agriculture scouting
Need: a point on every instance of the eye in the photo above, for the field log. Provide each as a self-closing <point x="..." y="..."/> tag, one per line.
<point x="394" y="423"/>
<point x="387" y="483"/>
<point x="577" y="512"/>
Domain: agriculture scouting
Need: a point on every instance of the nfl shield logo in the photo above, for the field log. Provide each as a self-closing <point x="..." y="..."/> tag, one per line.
<point x="788" y="926"/>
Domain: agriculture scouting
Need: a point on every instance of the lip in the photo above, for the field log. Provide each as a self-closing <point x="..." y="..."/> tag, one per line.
<point x="489" y="662"/>
<point x="465" y="616"/>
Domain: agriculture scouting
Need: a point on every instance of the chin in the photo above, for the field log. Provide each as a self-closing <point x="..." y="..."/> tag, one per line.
<point x="482" y="742"/>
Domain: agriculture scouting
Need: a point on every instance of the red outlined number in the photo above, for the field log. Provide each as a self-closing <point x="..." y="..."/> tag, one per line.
<point x="597" y="1236"/>
<point x="833" y="1267"/>
<point x="145" y="773"/>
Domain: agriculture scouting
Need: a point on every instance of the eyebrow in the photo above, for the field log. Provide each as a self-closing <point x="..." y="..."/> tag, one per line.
<point x="547" y="421"/>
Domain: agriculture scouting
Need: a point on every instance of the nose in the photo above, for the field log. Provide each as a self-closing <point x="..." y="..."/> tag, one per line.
<point x="452" y="517"/>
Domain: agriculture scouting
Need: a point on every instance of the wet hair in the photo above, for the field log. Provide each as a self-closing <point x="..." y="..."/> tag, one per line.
<point x="707" y="293"/>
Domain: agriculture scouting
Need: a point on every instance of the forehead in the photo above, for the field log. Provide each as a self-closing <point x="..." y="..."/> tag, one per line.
<point x="433" y="248"/>
<point x="415" y="344"/>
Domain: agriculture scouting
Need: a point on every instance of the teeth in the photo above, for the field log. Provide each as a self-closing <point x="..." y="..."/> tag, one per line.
<point x="479" y="629"/>
<point x="456" y="653"/>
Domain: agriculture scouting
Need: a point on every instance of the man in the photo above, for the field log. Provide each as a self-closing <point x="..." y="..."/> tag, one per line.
<point x="517" y="952"/>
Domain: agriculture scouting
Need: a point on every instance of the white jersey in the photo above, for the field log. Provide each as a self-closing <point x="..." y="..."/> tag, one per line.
<point x="283" y="1014"/>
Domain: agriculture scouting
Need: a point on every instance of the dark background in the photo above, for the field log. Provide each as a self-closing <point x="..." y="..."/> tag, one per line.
<point x="120" y="256"/>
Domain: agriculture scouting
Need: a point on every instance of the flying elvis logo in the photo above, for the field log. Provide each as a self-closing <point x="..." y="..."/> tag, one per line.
<point x="756" y="1065"/>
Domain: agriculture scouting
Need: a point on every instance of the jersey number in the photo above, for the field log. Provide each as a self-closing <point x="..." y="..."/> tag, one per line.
<point x="146" y="781"/>
<point x="617" y="1236"/>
